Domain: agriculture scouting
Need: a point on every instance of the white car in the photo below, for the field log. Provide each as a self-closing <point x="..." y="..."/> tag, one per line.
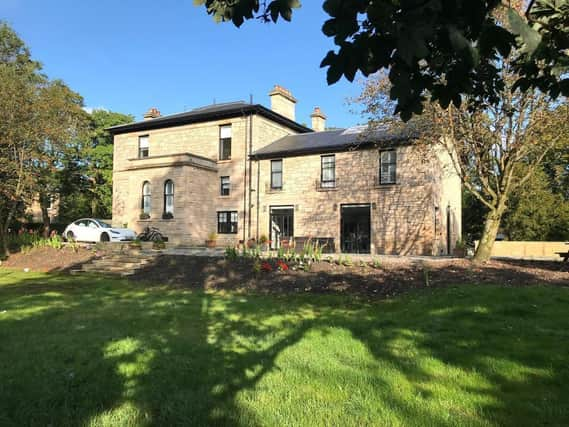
<point x="95" y="230"/>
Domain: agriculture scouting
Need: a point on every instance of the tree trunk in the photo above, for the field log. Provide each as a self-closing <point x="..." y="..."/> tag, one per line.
<point x="491" y="226"/>
<point x="46" y="221"/>
<point x="4" y="227"/>
<point x="3" y="244"/>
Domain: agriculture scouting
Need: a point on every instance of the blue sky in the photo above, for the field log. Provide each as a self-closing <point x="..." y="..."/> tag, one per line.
<point x="130" y="55"/>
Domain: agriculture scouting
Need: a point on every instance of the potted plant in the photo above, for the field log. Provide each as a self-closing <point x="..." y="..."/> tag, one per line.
<point x="211" y="241"/>
<point x="459" y="249"/>
<point x="144" y="215"/>
<point x="167" y="215"/>
<point x="264" y="242"/>
<point x="251" y="243"/>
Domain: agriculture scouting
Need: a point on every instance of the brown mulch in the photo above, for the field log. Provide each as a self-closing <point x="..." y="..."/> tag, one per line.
<point x="396" y="275"/>
<point x="49" y="259"/>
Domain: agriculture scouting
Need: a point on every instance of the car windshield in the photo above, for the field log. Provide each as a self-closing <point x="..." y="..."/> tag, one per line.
<point x="103" y="224"/>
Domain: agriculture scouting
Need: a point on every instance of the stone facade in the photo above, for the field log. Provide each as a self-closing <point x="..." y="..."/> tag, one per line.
<point x="197" y="187"/>
<point x="408" y="217"/>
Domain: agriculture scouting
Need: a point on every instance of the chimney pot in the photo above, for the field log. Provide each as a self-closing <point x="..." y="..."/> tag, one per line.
<point x="152" y="113"/>
<point x="318" y="120"/>
<point x="283" y="102"/>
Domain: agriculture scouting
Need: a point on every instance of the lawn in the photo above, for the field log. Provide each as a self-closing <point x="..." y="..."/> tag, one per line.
<point x="105" y="352"/>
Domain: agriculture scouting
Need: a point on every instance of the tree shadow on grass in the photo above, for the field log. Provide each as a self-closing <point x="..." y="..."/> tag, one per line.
<point x="106" y="352"/>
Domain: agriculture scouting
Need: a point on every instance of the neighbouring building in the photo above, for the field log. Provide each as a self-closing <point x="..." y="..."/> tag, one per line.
<point x="34" y="212"/>
<point x="244" y="170"/>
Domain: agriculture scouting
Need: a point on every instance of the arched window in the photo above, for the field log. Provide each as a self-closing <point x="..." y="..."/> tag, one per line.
<point x="146" y="198"/>
<point x="169" y="198"/>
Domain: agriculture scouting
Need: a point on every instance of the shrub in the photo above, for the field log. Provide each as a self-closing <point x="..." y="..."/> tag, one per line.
<point x="231" y="253"/>
<point x="376" y="263"/>
<point x="27" y="240"/>
<point x="257" y="266"/>
<point x="212" y="236"/>
<point x="265" y="266"/>
<point x="167" y="215"/>
<point x="263" y="239"/>
<point x="144" y="215"/>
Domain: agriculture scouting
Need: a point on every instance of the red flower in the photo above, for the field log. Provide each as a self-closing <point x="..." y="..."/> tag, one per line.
<point x="281" y="265"/>
<point x="265" y="266"/>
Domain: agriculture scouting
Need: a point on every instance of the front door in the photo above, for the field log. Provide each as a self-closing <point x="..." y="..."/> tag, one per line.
<point x="281" y="225"/>
<point x="355" y="229"/>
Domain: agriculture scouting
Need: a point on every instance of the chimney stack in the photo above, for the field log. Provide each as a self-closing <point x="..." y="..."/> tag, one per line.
<point x="318" y="120"/>
<point x="152" y="113"/>
<point x="282" y="102"/>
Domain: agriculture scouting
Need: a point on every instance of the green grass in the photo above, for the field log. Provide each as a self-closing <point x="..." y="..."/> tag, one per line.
<point x="102" y="352"/>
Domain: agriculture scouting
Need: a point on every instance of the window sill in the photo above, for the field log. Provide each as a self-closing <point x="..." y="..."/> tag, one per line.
<point x="326" y="188"/>
<point x="155" y="220"/>
<point x="225" y="196"/>
<point x="224" y="161"/>
<point x="274" y="190"/>
<point x="390" y="185"/>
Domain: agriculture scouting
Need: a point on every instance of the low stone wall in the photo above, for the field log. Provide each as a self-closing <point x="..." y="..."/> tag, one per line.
<point x="528" y="250"/>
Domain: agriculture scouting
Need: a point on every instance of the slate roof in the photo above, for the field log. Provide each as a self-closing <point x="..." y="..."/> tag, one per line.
<point x="210" y="112"/>
<point x="336" y="140"/>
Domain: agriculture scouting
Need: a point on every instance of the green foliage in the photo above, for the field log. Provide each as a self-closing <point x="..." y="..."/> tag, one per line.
<point x="238" y="11"/>
<point x="231" y="253"/>
<point x="544" y="38"/>
<point x="448" y="49"/>
<point x="257" y="266"/>
<point x="40" y="117"/>
<point x="473" y="214"/>
<point x="97" y="159"/>
<point x="27" y="241"/>
<point x="376" y="263"/>
<point x="536" y="213"/>
<point x="312" y="250"/>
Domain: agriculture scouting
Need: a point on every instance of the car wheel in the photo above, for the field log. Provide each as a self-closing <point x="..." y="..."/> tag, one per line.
<point x="70" y="236"/>
<point x="105" y="237"/>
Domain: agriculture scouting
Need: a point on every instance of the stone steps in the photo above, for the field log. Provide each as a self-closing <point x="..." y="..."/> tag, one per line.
<point x="119" y="264"/>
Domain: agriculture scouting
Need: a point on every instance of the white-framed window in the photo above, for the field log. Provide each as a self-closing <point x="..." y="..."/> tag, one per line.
<point x="387" y="167"/>
<point x="328" y="171"/>
<point x="227" y="222"/>
<point x="276" y="174"/>
<point x="169" y="197"/>
<point x="225" y="189"/>
<point x="225" y="142"/>
<point x="145" y="205"/>
<point x="143" y="146"/>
